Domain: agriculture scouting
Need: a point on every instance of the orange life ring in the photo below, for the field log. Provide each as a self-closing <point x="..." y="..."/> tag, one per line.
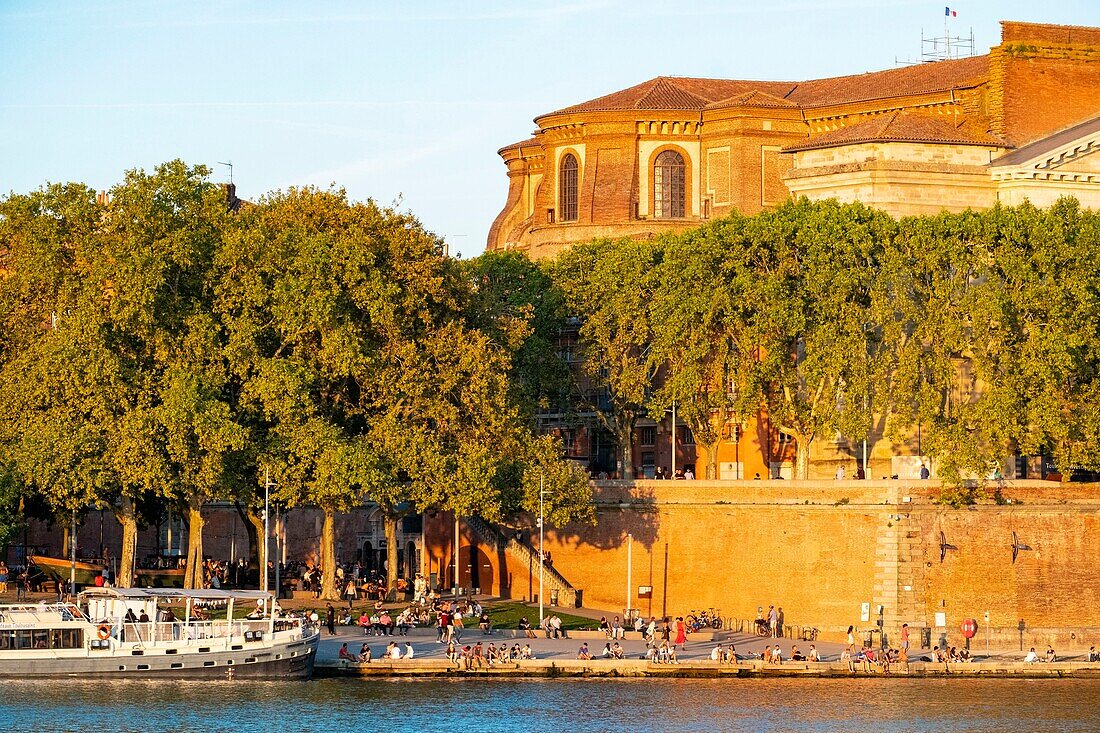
<point x="104" y="632"/>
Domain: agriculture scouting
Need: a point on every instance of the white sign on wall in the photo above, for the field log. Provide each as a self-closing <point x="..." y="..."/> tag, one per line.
<point x="865" y="612"/>
<point x="941" y="619"/>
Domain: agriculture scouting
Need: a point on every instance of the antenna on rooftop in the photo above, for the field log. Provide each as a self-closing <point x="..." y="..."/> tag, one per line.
<point x="942" y="48"/>
<point x="229" y="165"/>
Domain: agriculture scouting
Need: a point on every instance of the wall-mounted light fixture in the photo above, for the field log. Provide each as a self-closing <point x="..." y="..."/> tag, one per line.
<point x="944" y="547"/>
<point x="1017" y="546"/>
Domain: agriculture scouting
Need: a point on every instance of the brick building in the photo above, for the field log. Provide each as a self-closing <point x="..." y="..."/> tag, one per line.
<point x="1019" y="122"/>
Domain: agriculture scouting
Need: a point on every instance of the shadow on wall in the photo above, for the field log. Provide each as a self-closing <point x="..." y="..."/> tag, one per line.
<point x="636" y="515"/>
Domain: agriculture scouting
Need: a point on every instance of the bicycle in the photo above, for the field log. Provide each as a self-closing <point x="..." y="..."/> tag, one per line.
<point x="716" y="620"/>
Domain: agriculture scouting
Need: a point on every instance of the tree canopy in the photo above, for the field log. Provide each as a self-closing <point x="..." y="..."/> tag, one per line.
<point x="160" y="344"/>
<point x="978" y="331"/>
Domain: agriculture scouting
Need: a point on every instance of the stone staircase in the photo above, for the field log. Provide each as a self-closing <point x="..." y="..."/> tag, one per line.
<point x="496" y="540"/>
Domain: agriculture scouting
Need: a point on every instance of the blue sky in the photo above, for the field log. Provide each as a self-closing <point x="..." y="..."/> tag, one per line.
<point x="405" y="100"/>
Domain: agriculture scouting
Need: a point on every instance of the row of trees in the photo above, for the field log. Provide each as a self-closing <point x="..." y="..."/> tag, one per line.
<point x="160" y="347"/>
<point x="984" y="328"/>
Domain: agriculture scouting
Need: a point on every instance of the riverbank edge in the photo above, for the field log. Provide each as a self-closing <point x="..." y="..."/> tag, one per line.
<point x="557" y="668"/>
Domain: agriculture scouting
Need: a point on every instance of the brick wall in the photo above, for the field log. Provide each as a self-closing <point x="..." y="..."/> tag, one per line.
<point x="820" y="549"/>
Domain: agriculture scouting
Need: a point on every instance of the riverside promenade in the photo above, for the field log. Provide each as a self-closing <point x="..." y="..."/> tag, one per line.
<point x="558" y="658"/>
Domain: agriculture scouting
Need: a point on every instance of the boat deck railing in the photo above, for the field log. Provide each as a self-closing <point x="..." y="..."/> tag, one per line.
<point x="39" y="614"/>
<point x="181" y="632"/>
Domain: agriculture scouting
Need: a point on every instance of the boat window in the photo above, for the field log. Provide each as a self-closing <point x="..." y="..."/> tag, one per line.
<point x="66" y="639"/>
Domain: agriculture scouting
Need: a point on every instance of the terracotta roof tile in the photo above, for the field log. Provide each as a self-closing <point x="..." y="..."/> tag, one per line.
<point x="689" y="93"/>
<point x="936" y="76"/>
<point x="529" y="142"/>
<point x="675" y="93"/>
<point x="901" y="126"/>
<point x="754" y="98"/>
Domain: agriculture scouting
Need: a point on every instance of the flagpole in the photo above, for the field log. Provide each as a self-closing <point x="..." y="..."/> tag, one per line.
<point x="946" y="33"/>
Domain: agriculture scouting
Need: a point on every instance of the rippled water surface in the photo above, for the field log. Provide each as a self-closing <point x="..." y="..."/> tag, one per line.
<point x="573" y="706"/>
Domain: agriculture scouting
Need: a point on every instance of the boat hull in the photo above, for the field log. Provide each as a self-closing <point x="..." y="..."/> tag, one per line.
<point x="299" y="667"/>
<point x="288" y="662"/>
<point x="158" y="578"/>
<point x="57" y="570"/>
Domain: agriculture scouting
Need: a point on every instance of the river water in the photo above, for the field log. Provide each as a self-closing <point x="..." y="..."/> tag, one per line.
<point x="571" y="706"/>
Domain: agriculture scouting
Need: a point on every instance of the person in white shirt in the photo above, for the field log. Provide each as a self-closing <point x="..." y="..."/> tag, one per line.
<point x="395" y="651"/>
<point x="716" y="654"/>
<point x="408" y="651"/>
<point x="813" y="656"/>
<point x="840" y="473"/>
<point x="1031" y="657"/>
<point x="689" y="475"/>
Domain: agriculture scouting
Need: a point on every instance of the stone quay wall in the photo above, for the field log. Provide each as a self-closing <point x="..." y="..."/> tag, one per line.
<point x="820" y="550"/>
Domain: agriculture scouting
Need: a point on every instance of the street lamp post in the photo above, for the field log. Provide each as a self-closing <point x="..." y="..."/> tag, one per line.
<point x="267" y="533"/>
<point x="673" y="439"/>
<point x="72" y="553"/>
<point x="278" y="552"/>
<point x="542" y="556"/>
<point x="629" y="583"/>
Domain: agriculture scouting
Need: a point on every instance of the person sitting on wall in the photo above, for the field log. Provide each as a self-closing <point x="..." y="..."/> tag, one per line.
<point x="617" y="651"/>
<point x="1031" y="657"/>
<point x="1051" y="656"/>
<point x="345" y="654"/>
<point x="659" y="474"/>
<point x="1093" y="656"/>
<point x="364" y="653"/>
<point x="689" y="475"/>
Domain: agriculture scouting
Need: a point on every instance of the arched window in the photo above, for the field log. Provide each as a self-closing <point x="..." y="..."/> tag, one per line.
<point x="567" y="187"/>
<point x="668" y="185"/>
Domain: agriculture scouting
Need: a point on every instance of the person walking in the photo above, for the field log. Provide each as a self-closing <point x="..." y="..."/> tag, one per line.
<point x="681" y="632"/>
<point x="330" y="620"/>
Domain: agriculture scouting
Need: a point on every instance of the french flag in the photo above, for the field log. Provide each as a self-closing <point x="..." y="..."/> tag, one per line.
<point x="950" y="13"/>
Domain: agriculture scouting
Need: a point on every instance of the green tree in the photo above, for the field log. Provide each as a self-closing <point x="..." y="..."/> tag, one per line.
<point x="609" y="285"/>
<point x="933" y="286"/>
<point x="1036" y="340"/>
<point x="74" y="422"/>
<point x="515" y="301"/>
<point x="809" y="277"/>
<point x="700" y="320"/>
<point x="11" y="495"/>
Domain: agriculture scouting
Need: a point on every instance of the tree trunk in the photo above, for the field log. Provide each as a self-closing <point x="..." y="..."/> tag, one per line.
<point x="192" y="575"/>
<point x="66" y="538"/>
<point x="710" y="458"/>
<point x="627" y="452"/>
<point x="254" y="527"/>
<point x="390" y="525"/>
<point x="802" y="456"/>
<point x="126" y="515"/>
<point x="329" y="591"/>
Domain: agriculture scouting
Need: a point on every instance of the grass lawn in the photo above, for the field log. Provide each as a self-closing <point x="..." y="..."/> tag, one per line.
<point x="507" y="615"/>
